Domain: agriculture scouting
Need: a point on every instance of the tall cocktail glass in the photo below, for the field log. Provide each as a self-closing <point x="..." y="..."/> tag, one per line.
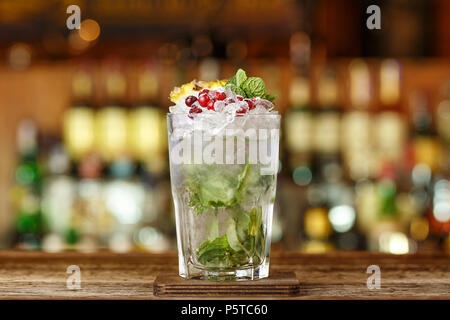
<point x="223" y="174"/>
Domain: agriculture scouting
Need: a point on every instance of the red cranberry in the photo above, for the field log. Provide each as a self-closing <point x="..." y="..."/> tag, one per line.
<point x="230" y="100"/>
<point x="220" y="95"/>
<point x="203" y="100"/>
<point x="195" y="109"/>
<point x="204" y="91"/>
<point x="240" y="98"/>
<point x="250" y="104"/>
<point x="190" y="100"/>
<point x="210" y="105"/>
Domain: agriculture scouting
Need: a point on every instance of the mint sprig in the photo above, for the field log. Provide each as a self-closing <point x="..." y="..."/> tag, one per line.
<point x="248" y="87"/>
<point x="211" y="190"/>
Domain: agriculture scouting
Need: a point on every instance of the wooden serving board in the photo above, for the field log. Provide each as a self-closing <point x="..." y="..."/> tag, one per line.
<point x="279" y="284"/>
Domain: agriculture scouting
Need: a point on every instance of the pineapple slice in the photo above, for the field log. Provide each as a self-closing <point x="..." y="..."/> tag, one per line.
<point x="194" y="86"/>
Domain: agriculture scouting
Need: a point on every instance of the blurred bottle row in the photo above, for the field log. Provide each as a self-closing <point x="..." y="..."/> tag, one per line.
<point x="351" y="178"/>
<point x="371" y="175"/>
<point x="103" y="182"/>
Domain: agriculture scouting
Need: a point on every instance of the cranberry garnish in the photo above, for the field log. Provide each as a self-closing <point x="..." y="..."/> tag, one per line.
<point x="220" y="95"/>
<point x="195" y="109"/>
<point x="240" y="98"/>
<point x="203" y="100"/>
<point x="204" y="91"/>
<point x="230" y="100"/>
<point x="250" y="104"/>
<point x="210" y="105"/>
<point x="190" y="100"/>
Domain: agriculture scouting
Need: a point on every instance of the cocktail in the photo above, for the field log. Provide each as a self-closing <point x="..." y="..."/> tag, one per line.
<point x="223" y="145"/>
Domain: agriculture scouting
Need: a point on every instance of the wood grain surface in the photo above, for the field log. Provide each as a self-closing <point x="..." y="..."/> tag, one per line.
<point x="279" y="284"/>
<point x="104" y="275"/>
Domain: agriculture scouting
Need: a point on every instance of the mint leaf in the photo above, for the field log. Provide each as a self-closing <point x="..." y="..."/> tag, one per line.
<point x="241" y="76"/>
<point x="248" y="87"/>
<point x="209" y="189"/>
<point x="243" y="242"/>
<point x="254" y="87"/>
<point x="249" y="180"/>
<point x="232" y="235"/>
<point x="194" y="197"/>
<point x="217" y="191"/>
<point x="235" y="89"/>
<point x="254" y="225"/>
<point x="232" y="80"/>
<point x="218" y="253"/>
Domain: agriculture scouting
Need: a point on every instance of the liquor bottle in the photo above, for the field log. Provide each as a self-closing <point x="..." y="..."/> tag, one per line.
<point x="298" y="120"/>
<point x="356" y="124"/>
<point x="147" y="133"/>
<point x="317" y="231"/>
<point x="111" y="120"/>
<point x="390" y="128"/>
<point x="326" y="129"/>
<point x="79" y="119"/>
<point x="26" y="192"/>
<point x="298" y="125"/>
<point x="390" y="229"/>
<point x="426" y="147"/>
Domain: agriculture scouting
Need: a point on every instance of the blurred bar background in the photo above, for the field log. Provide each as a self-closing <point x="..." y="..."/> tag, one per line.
<point x="366" y="118"/>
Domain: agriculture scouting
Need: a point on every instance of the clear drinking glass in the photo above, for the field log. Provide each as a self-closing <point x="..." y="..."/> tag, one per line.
<point x="223" y="174"/>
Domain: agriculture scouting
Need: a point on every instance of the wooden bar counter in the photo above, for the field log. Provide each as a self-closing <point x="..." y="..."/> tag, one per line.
<point x="105" y="275"/>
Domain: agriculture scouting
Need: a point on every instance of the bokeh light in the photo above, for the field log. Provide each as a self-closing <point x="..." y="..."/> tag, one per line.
<point x="89" y="30"/>
<point x="342" y="218"/>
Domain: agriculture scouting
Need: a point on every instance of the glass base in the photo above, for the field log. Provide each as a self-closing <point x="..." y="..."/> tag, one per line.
<point x="239" y="274"/>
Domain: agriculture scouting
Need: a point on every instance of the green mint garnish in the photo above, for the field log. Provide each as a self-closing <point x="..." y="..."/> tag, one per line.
<point x="254" y="87"/>
<point x="236" y="89"/>
<point x="255" y="222"/>
<point x="270" y="97"/>
<point x="211" y="190"/>
<point x="248" y="87"/>
<point x="243" y="241"/>
<point x="241" y="76"/>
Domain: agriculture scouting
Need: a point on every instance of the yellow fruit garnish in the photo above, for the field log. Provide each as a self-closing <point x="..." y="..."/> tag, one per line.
<point x="194" y="86"/>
